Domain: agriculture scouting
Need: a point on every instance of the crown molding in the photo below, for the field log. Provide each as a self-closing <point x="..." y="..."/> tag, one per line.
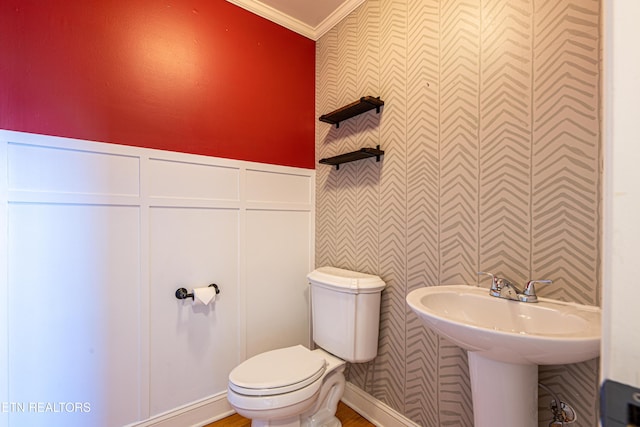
<point x="276" y="16"/>
<point x="336" y="16"/>
<point x="293" y="24"/>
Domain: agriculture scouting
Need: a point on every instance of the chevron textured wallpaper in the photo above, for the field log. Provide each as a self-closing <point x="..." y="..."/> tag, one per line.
<point x="491" y="132"/>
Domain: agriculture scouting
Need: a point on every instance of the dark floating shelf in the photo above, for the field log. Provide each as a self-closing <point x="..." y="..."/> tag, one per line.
<point x="363" y="153"/>
<point x="365" y="104"/>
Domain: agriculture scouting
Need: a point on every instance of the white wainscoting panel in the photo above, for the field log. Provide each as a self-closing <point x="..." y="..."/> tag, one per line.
<point x="273" y="186"/>
<point x="192" y="180"/>
<point x="74" y="299"/>
<point x="71" y="170"/>
<point x="96" y="238"/>
<point x="278" y="255"/>
<point x="192" y="248"/>
<point x="4" y="315"/>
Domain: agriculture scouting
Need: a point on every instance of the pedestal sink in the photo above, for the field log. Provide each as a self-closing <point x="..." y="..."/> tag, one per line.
<point x="506" y="341"/>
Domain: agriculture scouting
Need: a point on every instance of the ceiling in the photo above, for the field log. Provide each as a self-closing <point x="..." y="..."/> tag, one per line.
<point x="311" y="18"/>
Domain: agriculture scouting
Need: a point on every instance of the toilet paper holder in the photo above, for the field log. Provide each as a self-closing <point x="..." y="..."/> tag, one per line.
<point x="182" y="293"/>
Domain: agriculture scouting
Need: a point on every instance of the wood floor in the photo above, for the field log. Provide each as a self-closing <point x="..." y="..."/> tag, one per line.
<point x="346" y="415"/>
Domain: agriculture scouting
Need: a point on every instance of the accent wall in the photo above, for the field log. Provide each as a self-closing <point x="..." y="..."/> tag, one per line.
<point x="491" y="132"/>
<point x="197" y="76"/>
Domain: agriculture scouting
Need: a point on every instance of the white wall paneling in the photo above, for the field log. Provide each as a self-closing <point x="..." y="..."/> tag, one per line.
<point x="181" y="180"/>
<point x="270" y="186"/>
<point x="95" y="239"/>
<point x="192" y="247"/>
<point x="4" y="342"/>
<point x="278" y="254"/>
<point x="74" y="299"/>
<point x="71" y="170"/>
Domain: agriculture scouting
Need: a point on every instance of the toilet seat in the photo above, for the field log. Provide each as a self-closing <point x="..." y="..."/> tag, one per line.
<point x="277" y="372"/>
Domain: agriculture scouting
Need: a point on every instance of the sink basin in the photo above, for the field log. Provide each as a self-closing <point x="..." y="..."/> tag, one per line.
<point x="506" y="341"/>
<point x="544" y="333"/>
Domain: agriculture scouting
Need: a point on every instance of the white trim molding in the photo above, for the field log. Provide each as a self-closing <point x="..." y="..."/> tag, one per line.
<point x="372" y="409"/>
<point x="336" y="16"/>
<point x="293" y="24"/>
<point x="192" y="414"/>
<point x="217" y="407"/>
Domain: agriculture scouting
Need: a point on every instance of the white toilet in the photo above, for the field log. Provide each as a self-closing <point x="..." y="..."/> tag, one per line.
<point x="295" y="386"/>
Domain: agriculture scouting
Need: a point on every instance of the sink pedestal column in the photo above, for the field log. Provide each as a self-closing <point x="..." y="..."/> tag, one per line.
<point x="504" y="394"/>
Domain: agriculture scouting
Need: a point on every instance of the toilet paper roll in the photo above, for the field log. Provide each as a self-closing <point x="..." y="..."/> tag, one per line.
<point x="204" y="296"/>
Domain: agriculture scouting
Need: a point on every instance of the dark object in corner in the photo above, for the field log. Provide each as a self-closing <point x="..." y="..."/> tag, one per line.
<point x="619" y="405"/>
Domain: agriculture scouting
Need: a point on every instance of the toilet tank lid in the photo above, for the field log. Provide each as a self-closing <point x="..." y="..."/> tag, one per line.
<point x="346" y="280"/>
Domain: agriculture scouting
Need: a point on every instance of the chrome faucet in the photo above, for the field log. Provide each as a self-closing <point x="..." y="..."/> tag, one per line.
<point x="504" y="288"/>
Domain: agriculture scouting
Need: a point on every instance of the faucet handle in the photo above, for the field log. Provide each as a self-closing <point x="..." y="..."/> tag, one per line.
<point x="496" y="283"/>
<point x="494" y="278"/>
<point x="529" y="293"/>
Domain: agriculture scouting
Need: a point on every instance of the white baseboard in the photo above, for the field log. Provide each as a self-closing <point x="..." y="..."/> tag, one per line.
<point x="217" y="407"/>
<point x="374" y="410"/>
<point x="196" y="414"/>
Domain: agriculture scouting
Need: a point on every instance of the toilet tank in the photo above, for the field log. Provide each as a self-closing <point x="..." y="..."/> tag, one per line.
<point x="345" y="308"/>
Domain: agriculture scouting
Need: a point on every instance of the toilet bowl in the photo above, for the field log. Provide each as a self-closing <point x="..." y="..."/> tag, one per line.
<point x="298" y="387"/>
<point x="290" y="387"/>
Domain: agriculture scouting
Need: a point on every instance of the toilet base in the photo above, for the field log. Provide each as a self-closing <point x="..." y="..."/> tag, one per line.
<point x="276" y="423"/>
<point x="326" y="422"/>
<point x="332" y="422"/>
<point x="318" y="410"/>
<point x="322" y="413"/>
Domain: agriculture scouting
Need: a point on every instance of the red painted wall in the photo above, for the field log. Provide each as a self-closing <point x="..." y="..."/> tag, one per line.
<point x="196" y="76"/>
